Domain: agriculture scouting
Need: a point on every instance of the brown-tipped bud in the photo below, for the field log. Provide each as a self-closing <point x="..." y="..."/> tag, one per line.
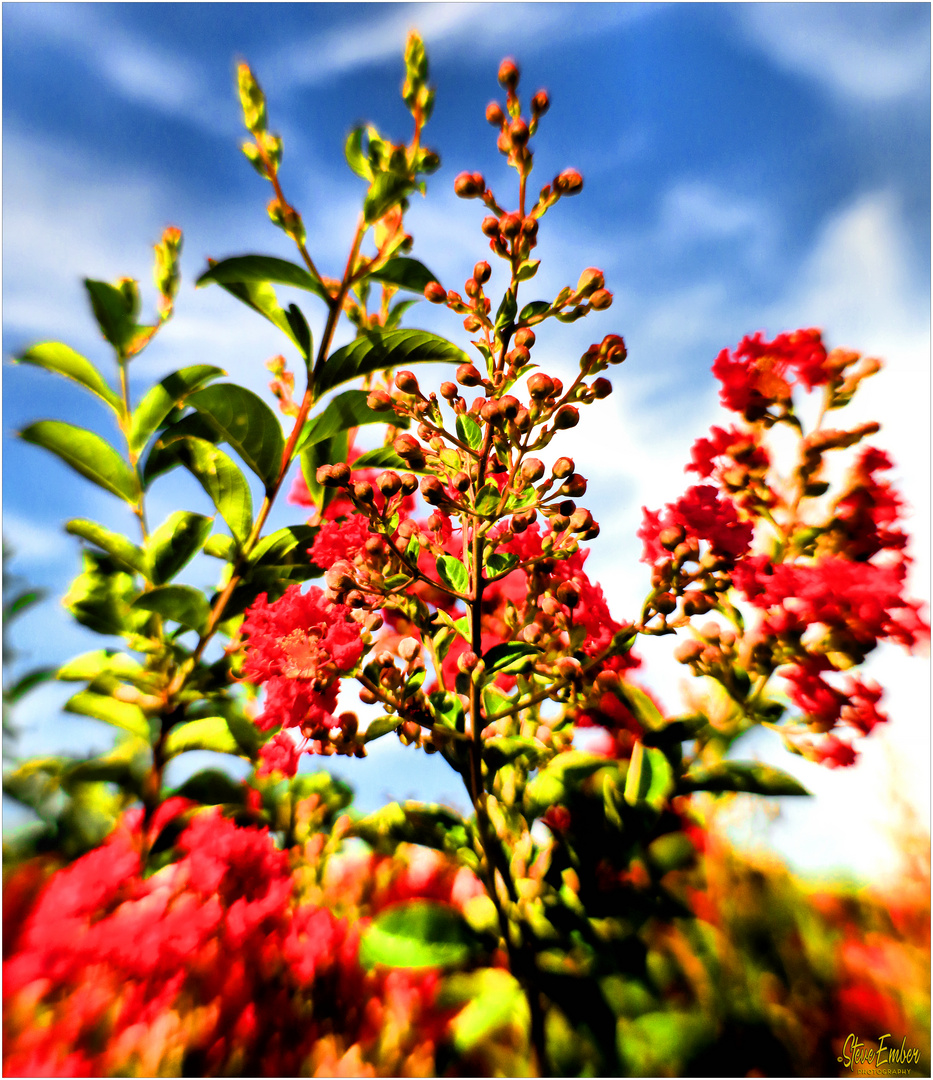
<point x="540" y="386"/>
<point x="518" y="356"/>
<point x="530" y="227"/>
<point x="540" y="103"/>
<point x="490" y="226"/>
<point x="525" y="337"/>
<point x="532" y="633"/>
<point x="697" y="604"/>
<point x="406" y="446"/>
<point x="337" y="579"/>
<point x="450" y="391"/>
<point x="688" y="651"/>
<point x="494" y="114"/>
<point x="379" y="401"/>
<point x="569" y="667"/>
<point x="407" y="528"/>
<point x="508" y="74"/>
<point x="406" y="382"/>
<point x="409" y="648"/>
<point x="472" y="288"/>
<point x="581" y="521"/>
<point x="432" y="491"/>
<point x="472" y="323"/>
<point x="454" y="298"/>
<point x="469" y="185"/>
<point x="568" y="593"/>
<point x="559" y="522"/>
<point x="602" y="388"/>
<point x="569" y="182"/>
<point x="566" y="507"/>
<point x="363" y="491"/>
<point x="424" y="432"/>
<point x="481" y="272"/>
<point x="670" y="537"/>
<point x="665" y="603"/>
<point x="601" y="299"/>
<point x="461" y="482"/>
<point x="518" y="130"/>
<point x="436" y="522"/>
<point x="591" y="279"/>
<point x="389" y="483"/>
<point x="567" y="417"/>
<point x="409" y="483"/>
<point x="533" y="469"/>
<point x="563" y="468"/>
<point x="325" y="476"/>
<point x="574" y="486"/>
<point x="467" y="375"/>
<point x="490" y="411"/>
<point x="612" y="349"/>
<point x="523" y="519"/>
<point x="522" y="420"/>
<point x="509" y="225"/>
<point x="435" y="292"/>
<point x="341" y="473"/>
<point x="508" y="407"/>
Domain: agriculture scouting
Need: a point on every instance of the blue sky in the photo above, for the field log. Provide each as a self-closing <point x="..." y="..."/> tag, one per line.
<point x="746" y="167"/>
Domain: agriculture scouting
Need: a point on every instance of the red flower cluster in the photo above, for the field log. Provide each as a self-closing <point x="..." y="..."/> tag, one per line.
<point x="701" y="514"/>
<point x="761" y="372"/>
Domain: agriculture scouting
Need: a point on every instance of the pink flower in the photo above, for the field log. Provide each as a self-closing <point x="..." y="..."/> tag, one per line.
<point x="703" y="514"/>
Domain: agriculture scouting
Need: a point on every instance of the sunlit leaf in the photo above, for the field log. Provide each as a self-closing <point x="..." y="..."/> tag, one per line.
<point x="377" y="352"/>
<point x="86" y="453"/>
<point x="417" y="934"/>
<point x="127" y="554"/>
<point x="243" y="420"/>
<point x="160" y="399"/>
<point x="54" y="356"/>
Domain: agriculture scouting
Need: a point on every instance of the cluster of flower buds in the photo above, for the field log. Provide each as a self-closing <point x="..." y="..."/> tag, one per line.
<point x="282" y="385"/>
<point x="166" y="272"/>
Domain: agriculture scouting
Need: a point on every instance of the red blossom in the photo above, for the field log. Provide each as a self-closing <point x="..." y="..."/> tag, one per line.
<point x="703" y="514"/>
<point x="761" y="372"/>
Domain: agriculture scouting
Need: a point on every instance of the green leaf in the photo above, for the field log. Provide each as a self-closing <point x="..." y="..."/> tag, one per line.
<point x="260" y="269"/>
<point x="54" y="356"/>
<point x="383" y="457"/>
<point x="642" y="707"/>
<point x="746" y="776"/>
<point x="127" y="554"/>
<point x="488" y="499"/>
<point x="417" y="934"/>
<point x="213" y="788"/>
<point x="549" y="787"/>
<point x="91" y="665"/>
<point x="534" y="312"/>
<point x="502" y="750"/>
<point x="511" y="657"/>
<point x="301" y="332"/>
<point x="246" y="422"/>
<point x="500" y="564"/>
<point x="387" y="190"/>
<point x="27" y="682"/>
<point x="527" y="270"/>
<point x="650" y="778"/>
<point x="211" y="733"/>
<point x="469" y="431"/>
<point x="507" y="309"/>
<point x="166" y="395"/>
<point x="356" y="159"/>
<point x="275" y="549"/>
<point x="404" y="273"/>
<point x="260" y="296"/>
<point x="377" y="352"/>
<point x="453" y="573"/>
<point x="345" y="411"/>
<point x="448" y="710"/>
<point x="414" y="823"/>
<point x="175" y="542"/>
<point x="86" y="453"/>
<point x="494" y="1000"/>
<point x="100" y="597"/>
<point x="180" y="603"/>
<point x="23" y="602"/>
<point x="221" y="479"/>
<point x="121" y="714"/>
<point x="382" y="725"/>
<point x="115" y="312"/>
<point x="220" y="546"/>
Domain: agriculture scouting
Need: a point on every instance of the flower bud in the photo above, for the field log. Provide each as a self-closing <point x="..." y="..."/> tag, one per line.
<point x="569" y="182"/>
<point x="697" y="604"/>
<point x="574" y="486"/>
<point x="490" y="411"/>
<point x="454" y="298"/>
<point x="567" y="417"/>
<point x="469" y="185"/>
<point x="409" y="484"/>
<point x="461" y="482"/>
<point x="688" y="651"/>
<point x="540" y="386"/>
<point x="467" y="375"/>
<point x="494" y="114"/>
<point x="435" y="292"/>
<point x="568" y="594"/>
<point x="509" y="225"/>
<point x="533" y="469"/>
<point x="325" y="476"/>
<point x="389" y="483"/>
<point x="602" y="388"/>
<point x="581" y="521"/>
<point x="612" y="349"/>
<point x="337" y="579"/>
<point x="409" y="648"/>
<point x="530" y="228"/>
<point x="467" y="662"/>
<point x="379" y="401"/>
<point x="508" y="407"/>
<point x="518" y="130"/>
<point x="518" y="356"/>
<point x="540" y="103"/>
<point x="490" y="226"/>
<point x="508" y="74"/>
<point x="526" y="337"/>
<point x="406" y="446"/>
<point x="562" y="468"/>
<point x="522" y="520"/>
<point x="364" y="491"/>
<point x="406" y="382"/>
<point x="590" y="280"/>
<point x="670" y="537"/>
<point x="432" y="490"/>
<point x="601" y="299"/>
<point x="566" y="507"/>
<point x="471" y="324"/>
<point x="450" y="391"/>
<point x="252" y="100"/>
<point x="472" y="288"/>
<point x="559" y="522"/>
<point x="481" y="272"/>
<point x="568" y="667"/>
<point x="665" y="603"/>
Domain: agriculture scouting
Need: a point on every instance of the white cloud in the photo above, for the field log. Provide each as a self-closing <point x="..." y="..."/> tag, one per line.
<point x="30" y="543"/>
<point x="869" y="53"/>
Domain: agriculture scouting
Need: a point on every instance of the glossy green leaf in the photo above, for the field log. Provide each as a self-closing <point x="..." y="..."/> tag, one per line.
<point x="534" y="312"/>
<point x="488" y="499"/>
<point x="453" y="573"/>
<point x="301" y="332"/>
<point x="210" y="733"/>
<point x="180" y="603"/>
<point x="285" y="545"/>
<point x="175" y="542"/>
<point x="246" y="422"/>
<point x="414" y="823"/>
<point x="115" y="312"/>
<point x="377" y="352"/>
<point x="258" y="269"/>
<point x="86" y="453"/>
<point x="642" y="707"/>
<point x="213" y="788"/>
<point x="469" y="431"/>
<point x="501" y="564"/>
<point x="163" y="456"/>
<point x="386" y="191"/>
<point x="417" y="934"/>
<point x="21" y="686"/>
<point x="404" y="273"/>
<point x="448" y="710"/>
<point x="382" y="725"/>
<point x="383" y="457"/>
<point x="100" y="597"/>
<point x="494" y="1000"/>
<point x="747" y="776"/>
<point x="221" y="479"/>
<point x="166" y="395"/>
<point x="345" y="411"/>
<point x="121" y="714"/>
<point x="502" y="750"/>
<point x="511" y="657"/>
<point x="650" y="778"/>
<point x="91" y="665"/>
<point x="220" y="546"/>
<point x="127" y="554"/>
<point x="54" y="356"/>
<point x="356" y="159"/>
<point x="260" y="296"/>
<point x="505" y="316"/>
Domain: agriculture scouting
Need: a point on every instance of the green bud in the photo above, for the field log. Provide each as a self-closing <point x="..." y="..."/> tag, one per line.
<point x="252" y="99"/>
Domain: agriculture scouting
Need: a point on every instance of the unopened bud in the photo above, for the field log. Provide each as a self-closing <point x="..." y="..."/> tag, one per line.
<point x="519" y="356"/>
<point x="508" y="74"/>
<point x="522" y="520"/>
<point x="518" y="130"/>
<point x="435" y="292"/>
<point x="409" y="484"/>
<point x="469" y="185"/>
<point x="568" y="593"/>
<point x="378" y="401"/>
<point x="252" y="99"/>
<point x="509" y="225"/>
<point x="406" y="446"/>
<point x="389" y="483"/>
<point x="540" y="386"/>
<point x="612" y="348"/>
<point x="432" y="490"/>
<point x="567" y="417"/>
<point x="569" y="182"/>
<point x="481" y="272"/>
<point x="540" y="103"/>
<point x="688" y="651"/>
<point x="490" y="411"/>
<point x="409" y="648"/>
<point x="602" y="388"/>
<point x="450" y="391"/>
<point x="581" y="521"/>
<point x="590" y="280"/>
<point x="508" y="407"/>
<point x="601" y="299"/>
<point x="526" y="337"/>
<point x="574" y="486"/>
<point x="406" y="382"/>
<point x="467" y="375"/>
<point x="363" y="491"/>
<point x="461" y="482"/>
<point x="665" y="603"/>
<point x="670" y="537"/>
<point x="494" y="114"/>
<point x="467" y="662"/>
<point x="562" y="468"/>
<point x="490" y="226"/>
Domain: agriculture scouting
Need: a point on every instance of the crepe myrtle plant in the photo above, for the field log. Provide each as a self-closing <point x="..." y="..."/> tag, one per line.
<point x="455" y="592"/>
